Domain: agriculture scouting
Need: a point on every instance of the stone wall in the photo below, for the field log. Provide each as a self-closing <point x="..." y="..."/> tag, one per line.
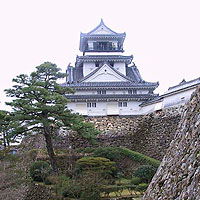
<point x="178" y="176"/>
<point x="149" y="134"/>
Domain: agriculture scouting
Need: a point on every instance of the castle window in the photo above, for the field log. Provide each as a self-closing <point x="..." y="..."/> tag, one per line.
<point x="92" y="105"/>
<point x="132" y="91"/>
<point x="122" y="104"/>
<point x="101" y="91"/>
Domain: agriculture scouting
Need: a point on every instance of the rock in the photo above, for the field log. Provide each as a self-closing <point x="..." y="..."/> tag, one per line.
<point x="180" y="166"/>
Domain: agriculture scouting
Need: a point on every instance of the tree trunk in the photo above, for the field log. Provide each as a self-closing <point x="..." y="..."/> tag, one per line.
<point x="49" y="145"/>
<point x="4" y="140"/>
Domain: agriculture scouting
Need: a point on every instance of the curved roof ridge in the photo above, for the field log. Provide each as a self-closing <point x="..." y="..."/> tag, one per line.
<point x="101" y="23"/>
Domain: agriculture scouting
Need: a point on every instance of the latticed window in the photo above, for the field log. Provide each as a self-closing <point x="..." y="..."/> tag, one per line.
<point x="101" y="91"/>
<point x="132" y="91"/>
<point x="122" y="104"/>
<point x="92" y="105"/>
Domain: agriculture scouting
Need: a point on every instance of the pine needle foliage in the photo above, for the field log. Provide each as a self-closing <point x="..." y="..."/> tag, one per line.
<point x="40" y="106"/>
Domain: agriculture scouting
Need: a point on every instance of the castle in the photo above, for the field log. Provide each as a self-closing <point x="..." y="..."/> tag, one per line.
<point x="108" y="83"/>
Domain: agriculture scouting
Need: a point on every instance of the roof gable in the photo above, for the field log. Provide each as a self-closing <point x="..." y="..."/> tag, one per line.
<point x="102" y="29"/>
<point x="105" y="73"/>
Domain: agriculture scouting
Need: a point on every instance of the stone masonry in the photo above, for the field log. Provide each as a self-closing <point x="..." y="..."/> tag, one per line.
<point x="149" y="134"/>
<point x="178" y="177"/>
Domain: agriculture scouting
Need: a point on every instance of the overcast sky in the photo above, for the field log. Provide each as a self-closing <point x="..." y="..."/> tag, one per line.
<point x="162" y="35"/>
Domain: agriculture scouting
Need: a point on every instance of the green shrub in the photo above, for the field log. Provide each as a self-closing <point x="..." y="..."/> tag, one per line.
<point x="39" y="170"/>
<point x="95" y="164"/>
<point x="145" y="173"/>
<point x="116" y="189"/>
<point x="111" y="153"/>
<point x="141" y="187"/>
<point x="115" y="153"/>
<point x="136" y="180"/>
<point x="63" y="181"/>
<point x="85" y="187"/>
<point x="51" y="180"/>
<point x="72" y="189"/>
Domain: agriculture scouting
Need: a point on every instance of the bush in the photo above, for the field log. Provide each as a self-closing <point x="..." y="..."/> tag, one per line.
<point x="141" y="187"/>
<point x="116" y="189"/>
<point x="51" y="180"/>
<point x="145" y="173"/>
<point x="136" y="180"/>
<point x="39" y="170"/>
<point x="115" y="154"/>
<point x="95" y="164"/>
<point x="63" y="182"/>
<point x="87" y="186"/>
<point x="72" y="189"/>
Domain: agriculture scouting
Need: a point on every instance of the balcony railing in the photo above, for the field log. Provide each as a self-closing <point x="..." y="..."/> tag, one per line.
<point x="103" y="47"/>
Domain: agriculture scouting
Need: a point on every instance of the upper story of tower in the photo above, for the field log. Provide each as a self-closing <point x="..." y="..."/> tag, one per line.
<point x="102" y="39"/>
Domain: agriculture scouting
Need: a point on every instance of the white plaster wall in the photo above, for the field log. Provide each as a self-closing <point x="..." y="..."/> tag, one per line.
<point x="105" y="74"/>
<point x="151" y="108"/>
<point x="108" y="77"/>
<point x="169" y="101"/>
<point x="88" y="68"/>
<point x="100" y="110"/>
<point x="72" y="106"/>
<point x="115" y="92"/>
<point x="85" y="92"/>
<point x="120" y="66"/>
<point x="131" y="109"/>
<point x="142" y="91"/>
<point x="102" y="30"/>
<point x="179" y="98"/>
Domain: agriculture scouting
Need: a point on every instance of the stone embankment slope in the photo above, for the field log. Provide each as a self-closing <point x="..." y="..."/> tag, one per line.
<point x="178" y="177"/>
<point x="149" y="134"/>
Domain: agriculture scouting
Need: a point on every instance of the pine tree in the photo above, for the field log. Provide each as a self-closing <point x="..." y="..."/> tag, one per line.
<point x="40" y="105"/>
<point x="4" y="127"/>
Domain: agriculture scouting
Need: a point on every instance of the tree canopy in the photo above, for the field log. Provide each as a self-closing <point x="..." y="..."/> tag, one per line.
<point x="40" y="105"/>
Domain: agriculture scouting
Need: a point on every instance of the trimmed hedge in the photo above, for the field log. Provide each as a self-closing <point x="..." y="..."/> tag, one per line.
<point x="145" y="173"/>
<point x="95" y="164"/>
<point x="141" y="187"/>
<point x="136" y="180"/>
<point x="114" y="154"/>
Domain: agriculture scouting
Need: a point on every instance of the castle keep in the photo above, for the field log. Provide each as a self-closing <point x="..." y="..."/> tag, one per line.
<point x="106" y="82"/>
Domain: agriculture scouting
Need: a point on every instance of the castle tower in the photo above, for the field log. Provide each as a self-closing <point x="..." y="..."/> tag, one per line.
<point x="106" y="82"/>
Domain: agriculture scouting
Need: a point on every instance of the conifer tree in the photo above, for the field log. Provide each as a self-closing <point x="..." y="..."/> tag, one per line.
<point x="4" y="127"/>
<point x="40" y="105"/>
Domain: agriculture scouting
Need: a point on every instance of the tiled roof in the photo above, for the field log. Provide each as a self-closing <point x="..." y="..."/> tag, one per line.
<point x="101" y="23"/>
<point x="184" y="85"/>
<point x="134" y="73"/>
<point x="133" y="78"/>
<point x="103" y="58"/>
<point x="88" y="85"/>
<point x="139" y="97"/>
<point x="96" y="70"/>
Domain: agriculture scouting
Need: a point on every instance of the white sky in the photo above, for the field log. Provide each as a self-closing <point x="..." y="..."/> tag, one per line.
<point x="162" y="35"/>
